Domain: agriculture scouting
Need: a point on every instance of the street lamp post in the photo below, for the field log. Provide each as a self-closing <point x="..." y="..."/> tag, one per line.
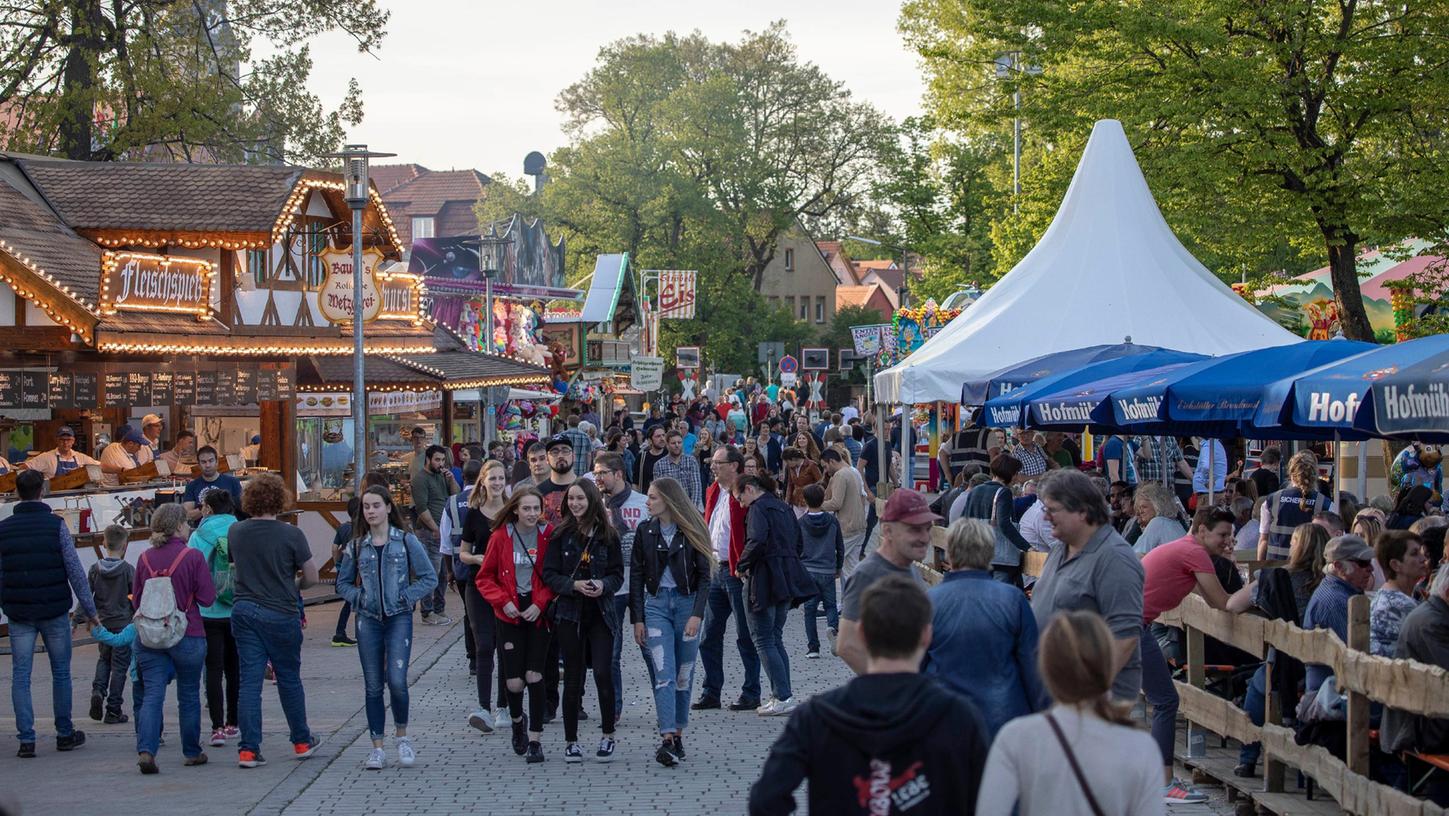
<point x="358" y="190"/>
<point x="1005" y="64"/>
<point x="491" y="250"/>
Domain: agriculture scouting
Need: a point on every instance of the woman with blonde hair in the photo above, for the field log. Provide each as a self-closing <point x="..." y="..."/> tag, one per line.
<point x="1291" y="506"/>
<point x="669" y="575"/>
<point x="1082" y="756"/>
<point x="485" y="503"/>
<point x="1156" y="510"/>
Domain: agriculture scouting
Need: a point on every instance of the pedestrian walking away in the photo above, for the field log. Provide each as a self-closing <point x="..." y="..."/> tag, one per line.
<point x="1083" y="757"/>
<point x="267" y="554"/>
<point x="39" y="571"/>
<point x="583" y="568"/>
<point x="172" y="583"/>
<point x="823" y="557"/>
<point x="384" y="572"/>
<point x="890" y="741"/>
<point x="223" y="663"/>
<point x="671" y="566"/>
<point x="511" y="581"/>
<point x="776" y="582"/>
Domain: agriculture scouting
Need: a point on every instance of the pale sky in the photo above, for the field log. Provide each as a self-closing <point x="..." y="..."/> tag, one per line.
<point x="459" y="84"/>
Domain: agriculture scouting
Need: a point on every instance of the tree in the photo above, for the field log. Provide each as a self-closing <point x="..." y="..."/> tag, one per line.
<point x="95" y="80"/>
<point x="1260" y="125"/>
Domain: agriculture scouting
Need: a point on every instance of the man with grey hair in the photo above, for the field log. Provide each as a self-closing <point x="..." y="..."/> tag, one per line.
<point x="1424" y="637"/>
<point x="983" y="634"/>
<point x="1347" y="571"/>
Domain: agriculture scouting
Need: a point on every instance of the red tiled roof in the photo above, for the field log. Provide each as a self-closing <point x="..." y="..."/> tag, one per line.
<point x="389" y="176"/>
<point x="427" y="193"/>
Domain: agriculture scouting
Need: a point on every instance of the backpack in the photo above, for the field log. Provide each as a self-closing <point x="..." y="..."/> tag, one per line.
<point x="219" y="562"/>
<point x="160" y="621"/>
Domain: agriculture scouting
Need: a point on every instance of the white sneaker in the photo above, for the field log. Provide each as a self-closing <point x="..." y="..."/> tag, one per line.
<point x="812" y="655"/>
<point x="766" y="706"/>
<point x="406" y="756"/>
<point x="780" y="708"/>
<point x="376" y="760"/>
<point x="502" y="719"/>
<point x="830" y="633"/>
<point x="482" y="719"/>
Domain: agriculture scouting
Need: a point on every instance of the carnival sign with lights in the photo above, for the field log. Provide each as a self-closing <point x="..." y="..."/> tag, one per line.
<point x="134" y="281"/>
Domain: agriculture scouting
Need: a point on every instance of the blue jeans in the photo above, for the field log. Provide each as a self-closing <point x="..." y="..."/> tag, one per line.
<point x="55" y="632"/>
<point x="768" y="628"/>
<point x="187" y="660"/>
<point x="437" y="599"/>
<point x="264" y="635"/>
<point x="1255" y="702"/>
<point x="385" y="647"/>
<point x="825" y="586"/>
<point x="726" y="597"/>
<point x="671" y="655"/>
<point x="1161" y="694"/>
<point x="626" y="632"/>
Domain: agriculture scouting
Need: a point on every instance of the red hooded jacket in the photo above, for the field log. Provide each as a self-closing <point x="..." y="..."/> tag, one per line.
<point x="496" y="582"/>
<point x="737" y="522"/>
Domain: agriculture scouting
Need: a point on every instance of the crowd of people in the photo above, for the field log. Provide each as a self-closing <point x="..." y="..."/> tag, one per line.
<point x="993" y="689"/>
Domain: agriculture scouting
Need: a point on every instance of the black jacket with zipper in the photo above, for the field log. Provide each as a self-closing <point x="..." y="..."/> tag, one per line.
<point x="652" y="554"/>
<point x="561" y="568"/>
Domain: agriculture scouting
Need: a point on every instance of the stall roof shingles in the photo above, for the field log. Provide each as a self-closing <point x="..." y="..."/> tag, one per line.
<point x="172" y="197"/>
<point x="38" y="235"/>
<point x="467" y="366"/>
<point x="375" y="369"/>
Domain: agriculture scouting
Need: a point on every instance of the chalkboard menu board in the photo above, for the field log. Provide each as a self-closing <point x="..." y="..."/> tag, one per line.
<point x="34" y="390"/>
<point x="226" y="387"/>
<point x="266" y="385"/>
<point x="183" y="387"/>
<point x="86" y="385"/>
<point x="9" y="389"/>
<point x="286" y="382"/>
<point x="138" y="388"/>
<point x="246" y="386"/>
<point x="206" y="388"/>
<point x="161" y="387"/>
<point x="62" y="390"/>
<point x="113" y="388"/>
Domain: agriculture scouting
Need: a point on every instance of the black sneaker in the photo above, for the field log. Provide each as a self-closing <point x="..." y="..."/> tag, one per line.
<point x="705" y="703"/>
<point x="583" y="714"/>
<point x="743" y="704"/>
<point x="1244" y="770"/>
<point x="665" y="755"/>
<point x="114" y="717"/>
<point x="343" y="640"/>
<point x="520" y="737"/>
<point x="572" y="753"/>
<point x="147" y="763"/>
<point x="97" y="707"/>
<point x="27" y="750"/>
<point x="535" y="753"/>
<point x="76" y="739"/>
<point x="606" y="750"/>
<point x="678" y="746"/>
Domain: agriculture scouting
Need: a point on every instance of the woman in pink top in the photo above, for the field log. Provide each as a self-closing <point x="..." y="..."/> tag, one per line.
<point x="191" y="582"/>
<point x="1173" y="570"/>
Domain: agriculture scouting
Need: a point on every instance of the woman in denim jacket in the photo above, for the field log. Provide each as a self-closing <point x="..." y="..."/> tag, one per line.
<point x="383" y="573"/>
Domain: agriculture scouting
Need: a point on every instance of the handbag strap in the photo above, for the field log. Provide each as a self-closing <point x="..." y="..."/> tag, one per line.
<point x="1076" y="769"/>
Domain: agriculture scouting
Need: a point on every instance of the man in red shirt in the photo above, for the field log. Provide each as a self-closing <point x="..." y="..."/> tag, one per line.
<point x="1173" y="571"/>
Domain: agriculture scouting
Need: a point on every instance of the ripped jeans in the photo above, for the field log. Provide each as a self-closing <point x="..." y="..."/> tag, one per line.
<point x="385" y="649"/>
<point x="665" y="616"/>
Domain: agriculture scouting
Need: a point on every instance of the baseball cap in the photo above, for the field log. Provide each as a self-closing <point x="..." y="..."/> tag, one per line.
<point x="256" y="439"/>
<point x="150" y="419"/>
<point x="1348" y="547"/>
<point x="557" y="441"/>
<point x="134" y="435"/>
<point x="65" y="430"/>
<point x="909" y="507"/>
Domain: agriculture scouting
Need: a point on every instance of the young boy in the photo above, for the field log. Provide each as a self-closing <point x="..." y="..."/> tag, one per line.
<point x="111" y="580"/>
<point x="823" y="558"/>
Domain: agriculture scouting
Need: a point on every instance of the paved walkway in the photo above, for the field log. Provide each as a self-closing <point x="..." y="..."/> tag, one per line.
<point x="458" y="769"/>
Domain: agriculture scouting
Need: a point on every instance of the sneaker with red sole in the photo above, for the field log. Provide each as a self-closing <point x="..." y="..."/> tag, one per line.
<point x="250" y="759"/>
<point x="1178" y="793"/>
<point x="302" y="750"/>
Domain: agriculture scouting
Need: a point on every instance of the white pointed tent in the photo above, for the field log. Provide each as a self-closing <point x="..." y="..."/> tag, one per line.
<point x="1107" y="269"/>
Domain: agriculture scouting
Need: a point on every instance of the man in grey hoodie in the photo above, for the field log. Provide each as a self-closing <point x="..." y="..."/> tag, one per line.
<point x="823" y="558"/>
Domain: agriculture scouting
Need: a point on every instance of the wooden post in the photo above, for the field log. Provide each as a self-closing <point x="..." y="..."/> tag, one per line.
<point x="883" y="481"/>
<point x="1197" y="677"/>
<point x="1273" y="768"/>
<point x="448" y="422"/>
<point x="1358" y="704"/>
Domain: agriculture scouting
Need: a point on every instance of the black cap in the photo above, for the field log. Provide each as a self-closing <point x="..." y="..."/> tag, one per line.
<point x="556" y="441"/>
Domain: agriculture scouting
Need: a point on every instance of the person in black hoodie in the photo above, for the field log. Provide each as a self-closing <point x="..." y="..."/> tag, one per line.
<point x="776" y="580"/>
<point x="891" y="740"/>
<point x="584" y="567"/>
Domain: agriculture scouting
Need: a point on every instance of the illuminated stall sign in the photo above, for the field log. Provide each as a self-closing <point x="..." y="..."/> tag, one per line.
<point x="139" y="282"/>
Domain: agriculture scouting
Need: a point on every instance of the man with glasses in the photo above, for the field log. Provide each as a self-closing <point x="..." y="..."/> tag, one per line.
<point x="561" y="474"/>
<point x="628" y="509"/>
<point x="724" y="517"/>
<point x="1347" y="571"/>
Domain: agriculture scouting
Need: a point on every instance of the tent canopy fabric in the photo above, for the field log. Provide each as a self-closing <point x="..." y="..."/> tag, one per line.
<point x="1006" y="380"/>
<point x="1107" y="270"/>
<point x="1008" y="410"/>
<point x="1334" y="396"/>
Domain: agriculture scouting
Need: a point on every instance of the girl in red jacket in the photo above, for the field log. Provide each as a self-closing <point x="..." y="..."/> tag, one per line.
<point x="511" y="581"/>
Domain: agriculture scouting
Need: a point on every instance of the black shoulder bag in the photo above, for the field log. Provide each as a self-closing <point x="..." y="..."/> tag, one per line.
<point x="1076" y="769"/>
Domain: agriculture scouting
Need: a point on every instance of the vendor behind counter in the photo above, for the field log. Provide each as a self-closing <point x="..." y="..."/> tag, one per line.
<point x="61" y="459"/>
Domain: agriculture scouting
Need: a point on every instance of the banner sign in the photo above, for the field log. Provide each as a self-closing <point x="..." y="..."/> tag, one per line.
<point x="647" y="373"/>
<point x="868" y="338"/>
<point x="138" y="282"/>
<point x="677" y="293"/>
<point x="334" y="297"/>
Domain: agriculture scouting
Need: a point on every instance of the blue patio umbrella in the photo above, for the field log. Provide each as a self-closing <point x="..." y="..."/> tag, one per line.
<point x="1334" y="397"/>
<point x="1090" y="403"/>
<point x="1012" y="377"/>
<point x="1007" y="410"/>
<point x="1414" y="400"/>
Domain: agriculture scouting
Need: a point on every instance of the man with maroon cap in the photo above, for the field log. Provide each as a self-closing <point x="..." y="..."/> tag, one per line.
<point x="905" y="537"/>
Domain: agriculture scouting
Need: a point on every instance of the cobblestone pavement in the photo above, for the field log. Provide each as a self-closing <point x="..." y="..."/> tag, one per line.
<point x="458" y="771"/>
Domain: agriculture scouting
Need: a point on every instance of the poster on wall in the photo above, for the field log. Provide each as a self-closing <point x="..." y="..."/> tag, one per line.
<point x="647" y="373"/>
<point x="567" y="338"/>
